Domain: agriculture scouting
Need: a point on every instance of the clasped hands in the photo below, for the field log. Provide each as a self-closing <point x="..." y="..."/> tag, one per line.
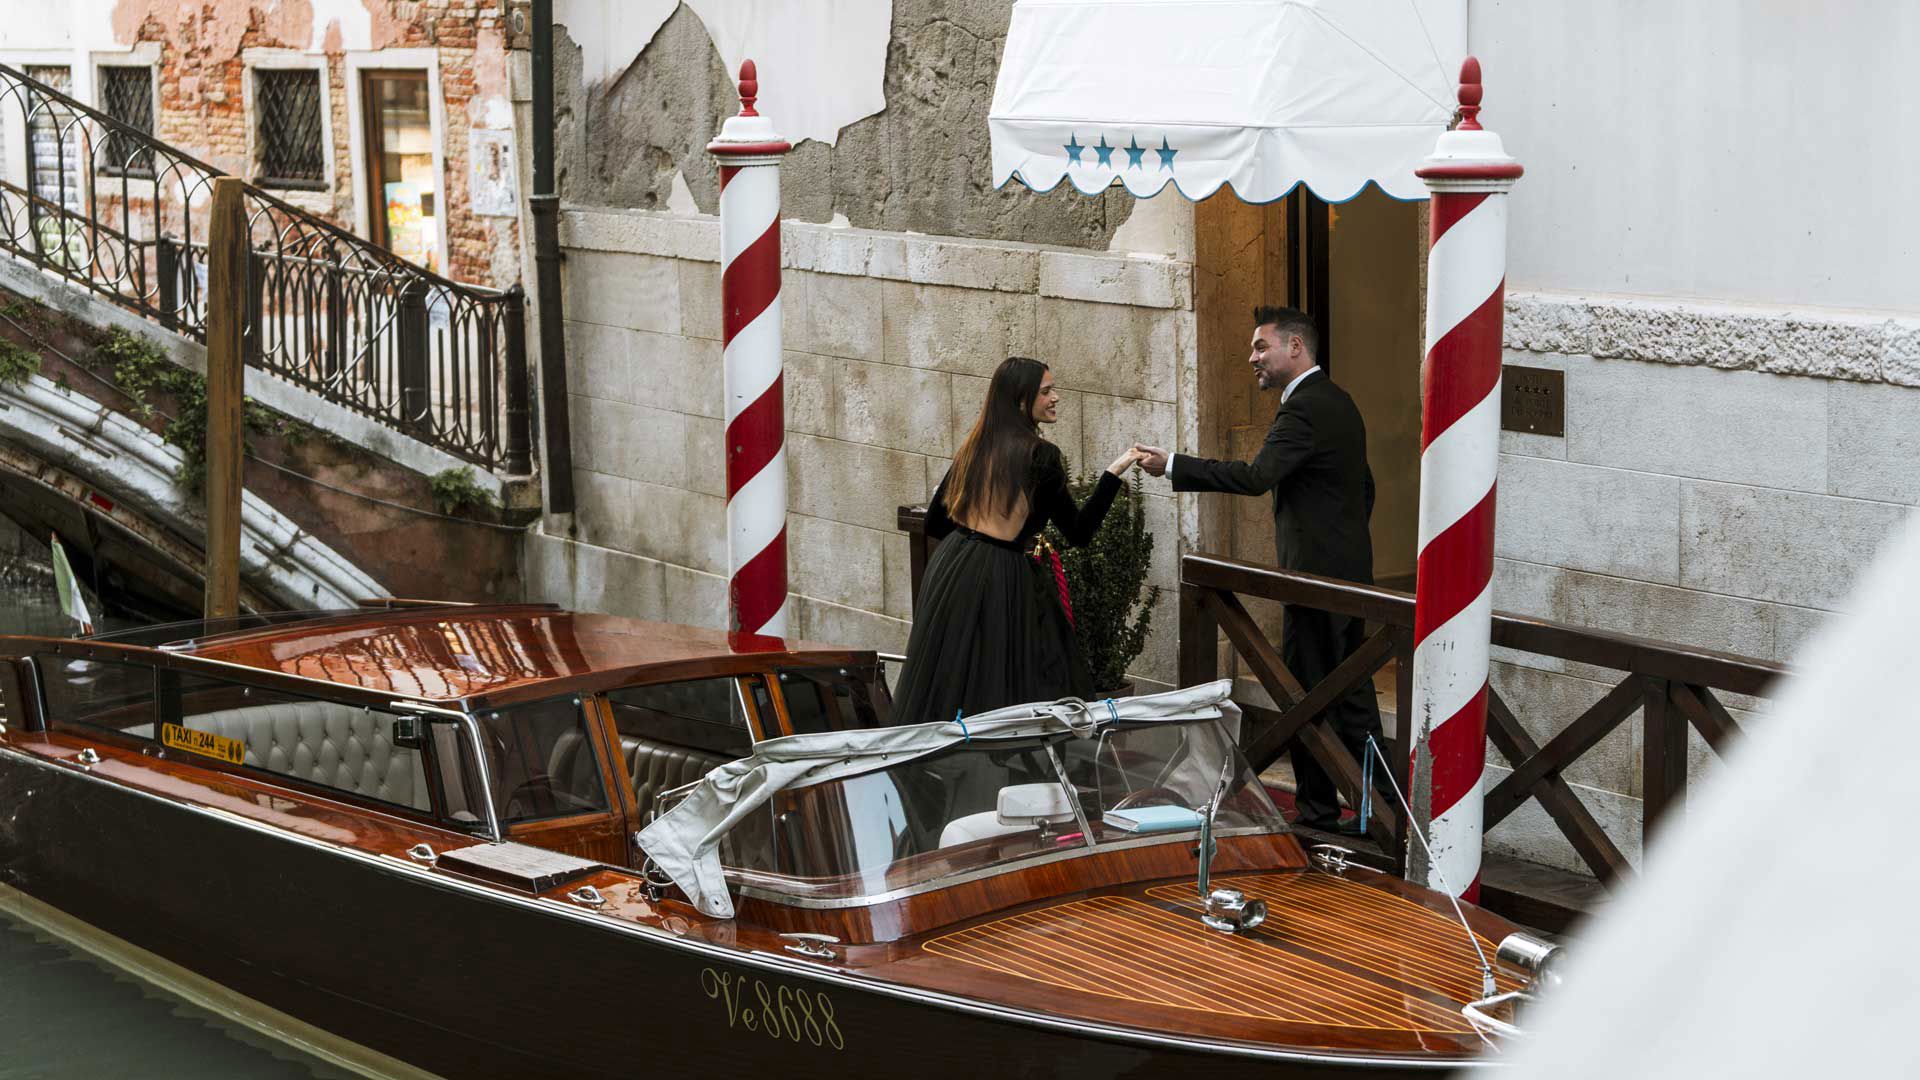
<point x="1151" y="458"/>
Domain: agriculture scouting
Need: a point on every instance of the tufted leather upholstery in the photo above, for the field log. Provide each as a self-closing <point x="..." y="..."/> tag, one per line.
<point x="658" y="766"/>
<point x="336" y="746"/>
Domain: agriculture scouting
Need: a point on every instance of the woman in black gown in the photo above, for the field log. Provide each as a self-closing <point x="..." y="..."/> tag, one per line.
<point x="989" y="630"/>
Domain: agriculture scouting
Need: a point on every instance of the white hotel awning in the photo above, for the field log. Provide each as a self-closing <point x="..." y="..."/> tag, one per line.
<point x="1259" y="94"/>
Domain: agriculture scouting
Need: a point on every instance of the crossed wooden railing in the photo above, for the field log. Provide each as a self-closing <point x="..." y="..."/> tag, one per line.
<point x="1672" y="686"/>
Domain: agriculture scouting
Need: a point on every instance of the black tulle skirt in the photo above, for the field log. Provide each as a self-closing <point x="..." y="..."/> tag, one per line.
<point x="988" y="631"/>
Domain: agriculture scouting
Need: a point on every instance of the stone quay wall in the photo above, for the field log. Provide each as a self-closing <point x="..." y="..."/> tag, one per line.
<point x="890" y="340"/>
<point x="1726" y="474"/>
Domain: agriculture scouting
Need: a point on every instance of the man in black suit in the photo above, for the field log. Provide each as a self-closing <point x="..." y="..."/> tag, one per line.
<point x="1315" y="463"/>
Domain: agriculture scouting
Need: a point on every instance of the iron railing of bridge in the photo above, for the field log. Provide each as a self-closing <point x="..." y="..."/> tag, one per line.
<point x="109" y="207"/>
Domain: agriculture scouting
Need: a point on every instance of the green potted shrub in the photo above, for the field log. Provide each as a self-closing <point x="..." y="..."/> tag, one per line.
<point x="1107" y="584"/>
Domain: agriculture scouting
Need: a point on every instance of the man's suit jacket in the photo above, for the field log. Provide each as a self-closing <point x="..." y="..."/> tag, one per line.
<point x="1315" y="463"/>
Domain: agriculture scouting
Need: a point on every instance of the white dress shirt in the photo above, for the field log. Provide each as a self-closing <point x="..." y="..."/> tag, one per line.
<point x="1284" y="395"/>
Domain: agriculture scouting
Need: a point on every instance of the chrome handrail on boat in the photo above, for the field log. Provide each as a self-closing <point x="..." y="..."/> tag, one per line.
<point x="1487" y="1025"/>
<point x="472" y="727"/>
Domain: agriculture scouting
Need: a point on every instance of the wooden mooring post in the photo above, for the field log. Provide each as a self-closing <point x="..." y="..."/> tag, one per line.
<point x="227" y="250"/>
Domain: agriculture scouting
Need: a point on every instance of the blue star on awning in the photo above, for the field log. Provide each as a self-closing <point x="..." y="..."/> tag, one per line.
<point x="1073" y="149"/>
<point x="1166" y="154"/>
<point x="1105" y="152"/>
<point x="1134" y="153"/>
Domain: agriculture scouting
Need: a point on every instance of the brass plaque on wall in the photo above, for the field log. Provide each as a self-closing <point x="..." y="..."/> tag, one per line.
<point x="1533" y="400"/>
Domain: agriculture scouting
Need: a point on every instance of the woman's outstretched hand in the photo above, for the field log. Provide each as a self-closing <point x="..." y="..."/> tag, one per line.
<point x="1127" y="460"/>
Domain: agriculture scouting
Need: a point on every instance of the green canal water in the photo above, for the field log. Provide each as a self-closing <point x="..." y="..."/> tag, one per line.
<point x="68" y="1016"/>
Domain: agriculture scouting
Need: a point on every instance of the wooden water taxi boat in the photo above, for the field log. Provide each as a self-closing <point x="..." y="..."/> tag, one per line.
<point x="429" y="830"/>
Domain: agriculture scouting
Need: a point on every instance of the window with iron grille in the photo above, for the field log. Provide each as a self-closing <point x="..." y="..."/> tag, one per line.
<point x="126" y="94"/>
<point x="288" y="128"/>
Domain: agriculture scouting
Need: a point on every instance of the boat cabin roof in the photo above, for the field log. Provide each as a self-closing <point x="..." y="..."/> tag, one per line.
<point x="481" y="657"/>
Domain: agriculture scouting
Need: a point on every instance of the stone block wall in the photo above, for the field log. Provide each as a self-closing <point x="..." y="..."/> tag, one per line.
<point x="1725" y="475"/>
<point x="890" y="340"/>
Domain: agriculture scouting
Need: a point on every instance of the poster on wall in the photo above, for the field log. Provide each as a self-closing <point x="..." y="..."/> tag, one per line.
<point x="405" y="236"/>
<point x="492" y="192"/>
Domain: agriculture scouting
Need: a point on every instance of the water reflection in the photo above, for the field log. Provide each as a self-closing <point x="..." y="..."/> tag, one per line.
<point x="69" y="1016"/>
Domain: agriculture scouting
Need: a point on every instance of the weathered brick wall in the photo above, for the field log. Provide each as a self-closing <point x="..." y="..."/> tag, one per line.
<point x="202" y="102"/>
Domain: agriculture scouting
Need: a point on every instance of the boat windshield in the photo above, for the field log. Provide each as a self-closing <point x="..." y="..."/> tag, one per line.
<point x="984" y="805"/>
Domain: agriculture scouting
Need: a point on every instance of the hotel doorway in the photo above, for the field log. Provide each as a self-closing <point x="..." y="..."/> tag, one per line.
<point x="1358" y="269"/>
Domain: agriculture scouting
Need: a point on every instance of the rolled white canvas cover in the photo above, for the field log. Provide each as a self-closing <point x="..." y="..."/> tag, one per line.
<point x="684" y="842"/>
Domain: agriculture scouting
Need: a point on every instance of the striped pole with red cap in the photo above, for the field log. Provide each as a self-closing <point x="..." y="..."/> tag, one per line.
<point x="1469" y="176"/>
<point x="749" y="151"/>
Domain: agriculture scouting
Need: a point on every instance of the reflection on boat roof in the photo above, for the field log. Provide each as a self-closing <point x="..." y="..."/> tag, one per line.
<point x="499" y="653"/>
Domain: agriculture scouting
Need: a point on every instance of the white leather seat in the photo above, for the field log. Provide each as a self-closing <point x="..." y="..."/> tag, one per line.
<point x="338" y="746"/>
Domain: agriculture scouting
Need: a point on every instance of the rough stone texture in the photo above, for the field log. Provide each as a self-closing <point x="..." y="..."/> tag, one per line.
<point x="1126" y="352"/>
<point x="950" y="329"/>
<point x="851" y="483"/>
<point x="1785" y="547"/>
<point x="1581" y="517"/>
<point x="1873" y="442"/>
<point x="1900" y="364"/>
<point x="901" y="407"/>
<point x="813" y="393"/>
<point x="923" y="164"/>
<point x="1829" y="344"/>
<point x="1793" y="627"/>
<point x="1601" y="602"/>
<point x="1766" y="430"/>
<point x="639" y="292"/>
<point x="856" y="574"/>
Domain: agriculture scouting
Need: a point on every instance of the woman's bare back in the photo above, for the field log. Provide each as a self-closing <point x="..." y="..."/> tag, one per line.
<point x="1001" y="526"/>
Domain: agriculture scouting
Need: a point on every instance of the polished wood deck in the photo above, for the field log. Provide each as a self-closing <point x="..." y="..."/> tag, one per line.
<point x="1333" y="953"/>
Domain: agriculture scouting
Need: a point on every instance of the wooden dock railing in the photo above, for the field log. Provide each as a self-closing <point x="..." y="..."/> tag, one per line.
<point x="1672" y="686"/>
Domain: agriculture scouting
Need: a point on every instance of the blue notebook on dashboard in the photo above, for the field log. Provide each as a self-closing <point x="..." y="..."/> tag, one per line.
<point x="1153" y="819"/>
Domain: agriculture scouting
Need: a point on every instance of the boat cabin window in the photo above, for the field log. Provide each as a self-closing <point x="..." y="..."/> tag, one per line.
<point x="99" y="694"/>
<point x="342" y="747"/>
<point x="672" y="734"/>
<point x="542" y="761"/>
<point x="835" y="699"/>
<point x="981" y="806"/>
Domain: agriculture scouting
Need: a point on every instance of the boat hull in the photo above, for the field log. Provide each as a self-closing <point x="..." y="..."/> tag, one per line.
<point x="467" y="980"/>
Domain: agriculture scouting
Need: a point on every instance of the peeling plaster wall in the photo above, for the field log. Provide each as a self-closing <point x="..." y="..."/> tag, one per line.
<point x="203" y="50"/>
<point x="920" y="166"/>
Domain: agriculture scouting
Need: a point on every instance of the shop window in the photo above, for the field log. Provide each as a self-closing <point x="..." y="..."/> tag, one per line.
<point x="289" y="129"/>
<point x="126" y="94"/>
<point x="401" y="189"/>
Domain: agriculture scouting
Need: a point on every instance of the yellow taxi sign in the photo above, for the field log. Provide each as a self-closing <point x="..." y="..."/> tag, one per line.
<point x="204" y="743"/>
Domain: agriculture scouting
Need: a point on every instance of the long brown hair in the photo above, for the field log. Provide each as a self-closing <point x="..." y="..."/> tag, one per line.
<point x="990" y="468"/>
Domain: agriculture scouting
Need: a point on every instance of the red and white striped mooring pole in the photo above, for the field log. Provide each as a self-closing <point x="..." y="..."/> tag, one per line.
<point x="1469" y="175"/>
<point x="749" y="151"/>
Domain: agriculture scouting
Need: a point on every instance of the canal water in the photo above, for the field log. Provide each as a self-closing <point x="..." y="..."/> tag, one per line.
<point x="68" y="1016"/>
